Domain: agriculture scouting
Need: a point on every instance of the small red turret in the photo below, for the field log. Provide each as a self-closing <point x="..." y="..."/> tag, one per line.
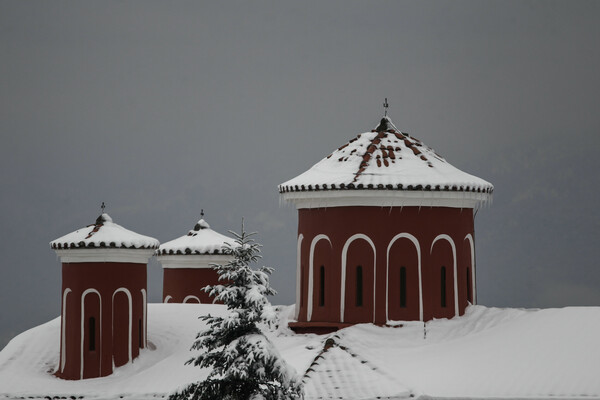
<point x="103" y="297"/>
<point x="187" y="263"/>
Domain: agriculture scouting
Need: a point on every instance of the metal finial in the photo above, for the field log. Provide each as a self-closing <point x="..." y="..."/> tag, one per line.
<point x="102" y="207"/>
<point x="385" y="107"/>
<point x="202" y="213"/>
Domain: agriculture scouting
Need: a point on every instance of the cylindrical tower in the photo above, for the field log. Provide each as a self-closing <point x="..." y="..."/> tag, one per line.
<point x="385" y="233"/>
<point x="104" y="295"/>
<point x="188" y="264"/>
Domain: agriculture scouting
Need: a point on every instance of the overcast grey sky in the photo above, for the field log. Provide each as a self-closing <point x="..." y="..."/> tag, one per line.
<point x="160" y="109"/>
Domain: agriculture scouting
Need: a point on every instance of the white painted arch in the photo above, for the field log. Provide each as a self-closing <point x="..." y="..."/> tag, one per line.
<point x="167" y="298"/>
<point x="344" y="262"/>
<point x="446" y="237"/>
<point x="191" y="297"/>
<point x="415" y="241"/>
<point x="128" y="294"/>
<point x="309" y="300"/>
<point x="85" y="293"/>
<point x="298" y="275"/>
<point x="145" y="320"/>
<point x="63" y="338"/>
<point x="469" y="237"/>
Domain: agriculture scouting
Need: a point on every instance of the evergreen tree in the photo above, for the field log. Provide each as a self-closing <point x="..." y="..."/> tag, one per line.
<point x="245" y="364"/>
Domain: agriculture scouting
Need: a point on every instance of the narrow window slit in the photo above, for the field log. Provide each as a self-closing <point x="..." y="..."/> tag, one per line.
<point x="359" y="286"/>
<point x="302" y="286"/>
<point x="92" y="332"/>
<point x="469" y="289"/>
<point x="443" y="286"/>
<point x="322" y="286"/>
<point x="402" y="287"/>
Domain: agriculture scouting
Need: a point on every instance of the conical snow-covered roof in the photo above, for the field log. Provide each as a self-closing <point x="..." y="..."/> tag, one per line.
<point x="104" y="233"/>
<point x="385" y="159"/>
<point x="200" y="240"/>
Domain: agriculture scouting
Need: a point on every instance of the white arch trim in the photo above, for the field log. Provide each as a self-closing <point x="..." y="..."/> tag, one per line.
<point x="309" y="299"/>
<point x="469" y="237"/>
<point x="298" y="276"/>
<point x="415" y="241"/>
<point x="344" y="260"/>
<point x="63" y="339"/>
<point x="167" y="298"/>
<point x="128" y="293"/>
<point x="449" y="239"/>
<point x="190" y="297"/>
<point x="145" y="320"/>
<point x="85" y="293"/>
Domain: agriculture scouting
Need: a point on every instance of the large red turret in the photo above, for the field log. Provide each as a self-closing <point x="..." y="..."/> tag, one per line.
<point x="385" y="232"/>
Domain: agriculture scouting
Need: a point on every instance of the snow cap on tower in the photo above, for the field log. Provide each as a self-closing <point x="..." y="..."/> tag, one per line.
<point x="104" y="233"/>
<point x="199" y="240"/>
<point x="386" y="159"/>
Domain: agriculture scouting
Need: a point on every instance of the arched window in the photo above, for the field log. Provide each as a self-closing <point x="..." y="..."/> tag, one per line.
<point x="469" y="290"/>
<point x="92" y="329"/>
<point x="322" y="286"/>
<point x="402" y="287"/>
<point x="443" y="287"/>
<point x="302" y="286"/>
<point x="359" y="286"/>
<point x="140" y="333"/>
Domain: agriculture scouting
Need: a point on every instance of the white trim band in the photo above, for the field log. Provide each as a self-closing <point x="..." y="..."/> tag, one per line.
<point x="385" y="198"/>
<point x="135" y="256"/>
<point x="193" y="260"/>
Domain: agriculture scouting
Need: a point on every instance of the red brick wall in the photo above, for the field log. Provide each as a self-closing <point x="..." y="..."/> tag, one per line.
<point x="378" y="226"/>
<point x="108" y="312"/>
<point x="180" y="283"/>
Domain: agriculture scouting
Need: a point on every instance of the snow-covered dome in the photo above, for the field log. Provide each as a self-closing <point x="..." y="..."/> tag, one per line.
<point x="385" y="159"/>
<point x="200" y="240"/>
<point x="104" y="233"/>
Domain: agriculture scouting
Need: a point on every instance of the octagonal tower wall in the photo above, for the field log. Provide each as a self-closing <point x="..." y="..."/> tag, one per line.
<point x="360" y="251"/>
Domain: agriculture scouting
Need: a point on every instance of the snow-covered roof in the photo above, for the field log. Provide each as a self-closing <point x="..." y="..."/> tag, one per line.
<point x="200" y="240"/>
<point x="385" y="159"/>
<point x="487" y="353"/>
<point x="339" y="373"/>
<point x="104" y="233"/>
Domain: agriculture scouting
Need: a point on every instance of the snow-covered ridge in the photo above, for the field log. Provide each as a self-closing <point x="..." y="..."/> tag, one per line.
<point x="200" y="240"/>
<point x="104" y="233"/>
<point x="487" y="353"/>
<point x="385" y="159"/>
